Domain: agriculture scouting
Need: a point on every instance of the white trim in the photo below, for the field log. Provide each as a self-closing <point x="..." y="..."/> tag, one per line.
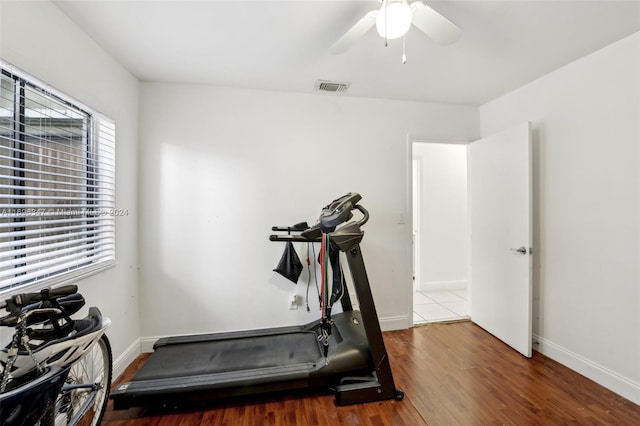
<point x="409" y="231"/>
<point x="124" y="360"/>
<point x="32" y="79"/>
<point x="440" y="140"/>
<point x="396" y="323"/>
<point x="146" y="344"/>
<point x="444" y="285"/>
<point x="416" y="176"/>
<point x="609" y="379"/>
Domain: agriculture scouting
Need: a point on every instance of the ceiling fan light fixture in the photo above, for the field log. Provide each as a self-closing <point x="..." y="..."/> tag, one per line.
<point x="394" y="19"/>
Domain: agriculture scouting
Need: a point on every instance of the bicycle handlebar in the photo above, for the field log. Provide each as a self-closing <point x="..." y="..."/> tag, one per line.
<point x="24" y="299"/>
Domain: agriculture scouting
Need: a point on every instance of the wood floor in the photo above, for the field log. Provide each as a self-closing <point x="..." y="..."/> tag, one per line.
<point x="452" y="374"/>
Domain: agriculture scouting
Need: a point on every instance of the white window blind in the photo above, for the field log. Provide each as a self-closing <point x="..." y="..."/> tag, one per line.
<point x="57" y="201"/>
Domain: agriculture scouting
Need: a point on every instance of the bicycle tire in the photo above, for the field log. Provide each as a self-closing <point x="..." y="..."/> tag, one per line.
<point x="72" y="406"/>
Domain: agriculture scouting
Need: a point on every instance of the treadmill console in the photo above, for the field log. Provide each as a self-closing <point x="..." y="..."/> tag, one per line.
<point x="339" y="211"/>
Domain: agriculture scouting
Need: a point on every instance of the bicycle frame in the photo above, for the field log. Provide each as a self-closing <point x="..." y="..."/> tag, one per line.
<point x="26" y="404"/>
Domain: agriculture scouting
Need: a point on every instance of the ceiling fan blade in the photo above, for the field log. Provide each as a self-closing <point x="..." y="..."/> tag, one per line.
<point x="433" y="24"/>
<point x="350" y="38"/>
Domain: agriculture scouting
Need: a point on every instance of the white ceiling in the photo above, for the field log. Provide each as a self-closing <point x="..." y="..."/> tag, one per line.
<point x="283" y="45"/>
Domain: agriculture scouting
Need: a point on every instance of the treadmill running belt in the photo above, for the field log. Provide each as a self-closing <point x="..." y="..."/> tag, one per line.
<point x="231" y="355"/>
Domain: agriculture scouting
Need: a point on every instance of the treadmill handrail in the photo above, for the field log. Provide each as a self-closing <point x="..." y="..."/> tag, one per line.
<point x="365" y="213"/>
<point x="293" y="238"/>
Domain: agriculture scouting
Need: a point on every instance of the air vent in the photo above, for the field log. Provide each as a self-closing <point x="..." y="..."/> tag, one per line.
<point x="332" y="86"/>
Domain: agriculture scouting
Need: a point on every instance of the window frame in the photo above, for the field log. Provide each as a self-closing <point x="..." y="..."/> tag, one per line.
<point x="97" y="174"/>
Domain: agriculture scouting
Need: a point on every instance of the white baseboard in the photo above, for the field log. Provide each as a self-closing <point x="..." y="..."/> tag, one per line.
<point x="146" y="344"/>
<point x="611" y="380"/>
<point x="123" y="361"/>
<point x="443" y="285"/>
<point x="395" y="323"/>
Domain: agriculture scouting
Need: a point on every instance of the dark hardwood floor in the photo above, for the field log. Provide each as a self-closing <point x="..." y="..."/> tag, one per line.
<point x="452" y="374"/>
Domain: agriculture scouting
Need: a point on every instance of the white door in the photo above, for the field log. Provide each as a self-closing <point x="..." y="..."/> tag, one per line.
<point x="499" y="176"/>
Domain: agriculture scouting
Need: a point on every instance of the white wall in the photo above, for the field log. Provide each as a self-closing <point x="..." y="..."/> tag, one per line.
<point x="444" y="233"/>
<point x="40" y="40"/>
<point x="586" y="141"/>
<point x="220" y="166"/>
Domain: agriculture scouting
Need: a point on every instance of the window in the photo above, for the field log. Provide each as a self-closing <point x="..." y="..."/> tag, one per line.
<point x="57" y="217"/>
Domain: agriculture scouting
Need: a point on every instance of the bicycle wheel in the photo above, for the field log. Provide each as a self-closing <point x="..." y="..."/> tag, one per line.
<point x="84" y="396"/>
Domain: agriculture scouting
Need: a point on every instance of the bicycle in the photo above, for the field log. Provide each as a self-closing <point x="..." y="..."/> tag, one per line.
<point x="56" y="370"/>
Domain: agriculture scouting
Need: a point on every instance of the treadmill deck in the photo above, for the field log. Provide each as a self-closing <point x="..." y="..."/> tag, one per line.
<point x="194" y="359"/>
<point x="189" y="368"/>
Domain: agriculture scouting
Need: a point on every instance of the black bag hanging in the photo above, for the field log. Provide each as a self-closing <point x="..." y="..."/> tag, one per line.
<point x="289" y="266"/>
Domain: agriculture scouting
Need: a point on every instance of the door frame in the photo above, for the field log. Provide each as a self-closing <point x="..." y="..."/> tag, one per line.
<point x="411" y="139"/>
<point x="416" y="176"/>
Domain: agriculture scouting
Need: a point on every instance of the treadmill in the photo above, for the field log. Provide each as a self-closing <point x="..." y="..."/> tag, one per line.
<point x="197" y="368"/>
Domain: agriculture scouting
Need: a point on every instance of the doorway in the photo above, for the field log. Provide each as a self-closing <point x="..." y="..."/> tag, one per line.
<point x="499" y="203"/>
<point x="440" y="232"/>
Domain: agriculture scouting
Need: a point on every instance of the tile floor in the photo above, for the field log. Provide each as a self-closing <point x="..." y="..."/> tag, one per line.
<point x="441" y="305"/>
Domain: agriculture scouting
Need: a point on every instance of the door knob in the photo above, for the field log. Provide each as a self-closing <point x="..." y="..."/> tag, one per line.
<point x="521" y="250"/>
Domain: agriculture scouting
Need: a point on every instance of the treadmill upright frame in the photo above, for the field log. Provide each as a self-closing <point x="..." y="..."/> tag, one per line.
<point x="381" y="385"/>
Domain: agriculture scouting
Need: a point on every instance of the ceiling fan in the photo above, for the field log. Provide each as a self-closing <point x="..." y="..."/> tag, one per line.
<point x="393" y="20"/>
